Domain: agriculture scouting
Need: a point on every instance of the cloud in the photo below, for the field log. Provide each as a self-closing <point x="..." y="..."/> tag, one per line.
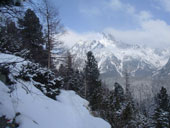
<point x="129" y="9"/>
<point x="71" y="37"/>
<point x="149" y="31"/>
<point x="165" y="4"/>
<point x="153" y="33"/>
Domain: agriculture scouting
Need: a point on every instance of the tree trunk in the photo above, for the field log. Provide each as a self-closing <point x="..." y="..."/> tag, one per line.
<point x="48" y="40"/>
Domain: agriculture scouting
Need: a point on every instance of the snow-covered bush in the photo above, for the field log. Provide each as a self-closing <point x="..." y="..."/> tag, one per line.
<point x="44" y="79"/>
<point x="15" y="70"/>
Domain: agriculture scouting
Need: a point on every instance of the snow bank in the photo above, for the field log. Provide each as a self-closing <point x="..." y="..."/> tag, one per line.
<point x="7" y="58"/>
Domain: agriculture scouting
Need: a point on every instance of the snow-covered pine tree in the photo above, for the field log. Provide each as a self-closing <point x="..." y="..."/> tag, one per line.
<point x="66" y="71"/>
<point x="72" y="77"/>
<point x="91" y="76"/>
<point x="161" y="112"/>
<point x="123" y="109"/>
<point x="163" y="100"/>
<point x="69" y="71"/>
<point x="117" y="106"/>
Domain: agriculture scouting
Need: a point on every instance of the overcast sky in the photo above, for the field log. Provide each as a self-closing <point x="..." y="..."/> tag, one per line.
<point x="133" y="21"/>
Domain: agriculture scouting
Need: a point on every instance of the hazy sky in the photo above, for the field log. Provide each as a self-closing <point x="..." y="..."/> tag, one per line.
<point x="132" y="21"/>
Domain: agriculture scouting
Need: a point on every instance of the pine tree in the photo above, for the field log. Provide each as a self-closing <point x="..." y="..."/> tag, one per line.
<point x="122" y="108"/>
<point x="128" y="115"/>
<point x="92" y="82"/>
<point x="119" y="95"/>
<point x="32" y="38"/>
<point x="69" y="71"/>
<point x="91" y="75"/>
<point x="161" y="118"/>
<point x="117" y="105"/>
<point x="73" y="79"/>
<point x="161" y="112"/>
<point x="163" y="100"/>
<point x="9" y="38"/>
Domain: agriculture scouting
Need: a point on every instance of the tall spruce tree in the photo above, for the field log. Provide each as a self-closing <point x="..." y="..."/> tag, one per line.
<point x="123" y="110"/>
<point x="92" y="81"/>
<point x="161" y="112"/>
<point x="32" y="38"/>
<point x="163" y="101"/>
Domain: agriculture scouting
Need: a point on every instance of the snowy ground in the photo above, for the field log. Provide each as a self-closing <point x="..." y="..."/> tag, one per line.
<point x="39" y="111"/>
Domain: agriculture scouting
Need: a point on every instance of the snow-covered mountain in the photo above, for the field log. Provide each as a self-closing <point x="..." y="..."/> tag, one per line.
<point x="115" y="56"/>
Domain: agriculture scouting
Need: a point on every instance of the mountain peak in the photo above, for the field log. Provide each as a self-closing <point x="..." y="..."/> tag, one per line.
<point x="108" y="36"/>
<point x="116" y="55"/>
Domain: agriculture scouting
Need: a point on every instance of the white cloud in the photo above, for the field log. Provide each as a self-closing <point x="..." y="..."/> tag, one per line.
<point x="72" y="37"/>
<point x="130" y="10"/>
<point x="153" y="33"/>
<point x="165" y="4"/>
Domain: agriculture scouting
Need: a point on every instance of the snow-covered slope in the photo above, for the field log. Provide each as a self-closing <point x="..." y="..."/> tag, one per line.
<point x="115" y="56"/>
<point x="164" y="71"/>
<point x="162" y="78"/>
<point x="37" y="110"/>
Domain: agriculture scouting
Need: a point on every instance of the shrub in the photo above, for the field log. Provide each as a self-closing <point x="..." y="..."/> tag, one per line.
<point x="47" y="81"/>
